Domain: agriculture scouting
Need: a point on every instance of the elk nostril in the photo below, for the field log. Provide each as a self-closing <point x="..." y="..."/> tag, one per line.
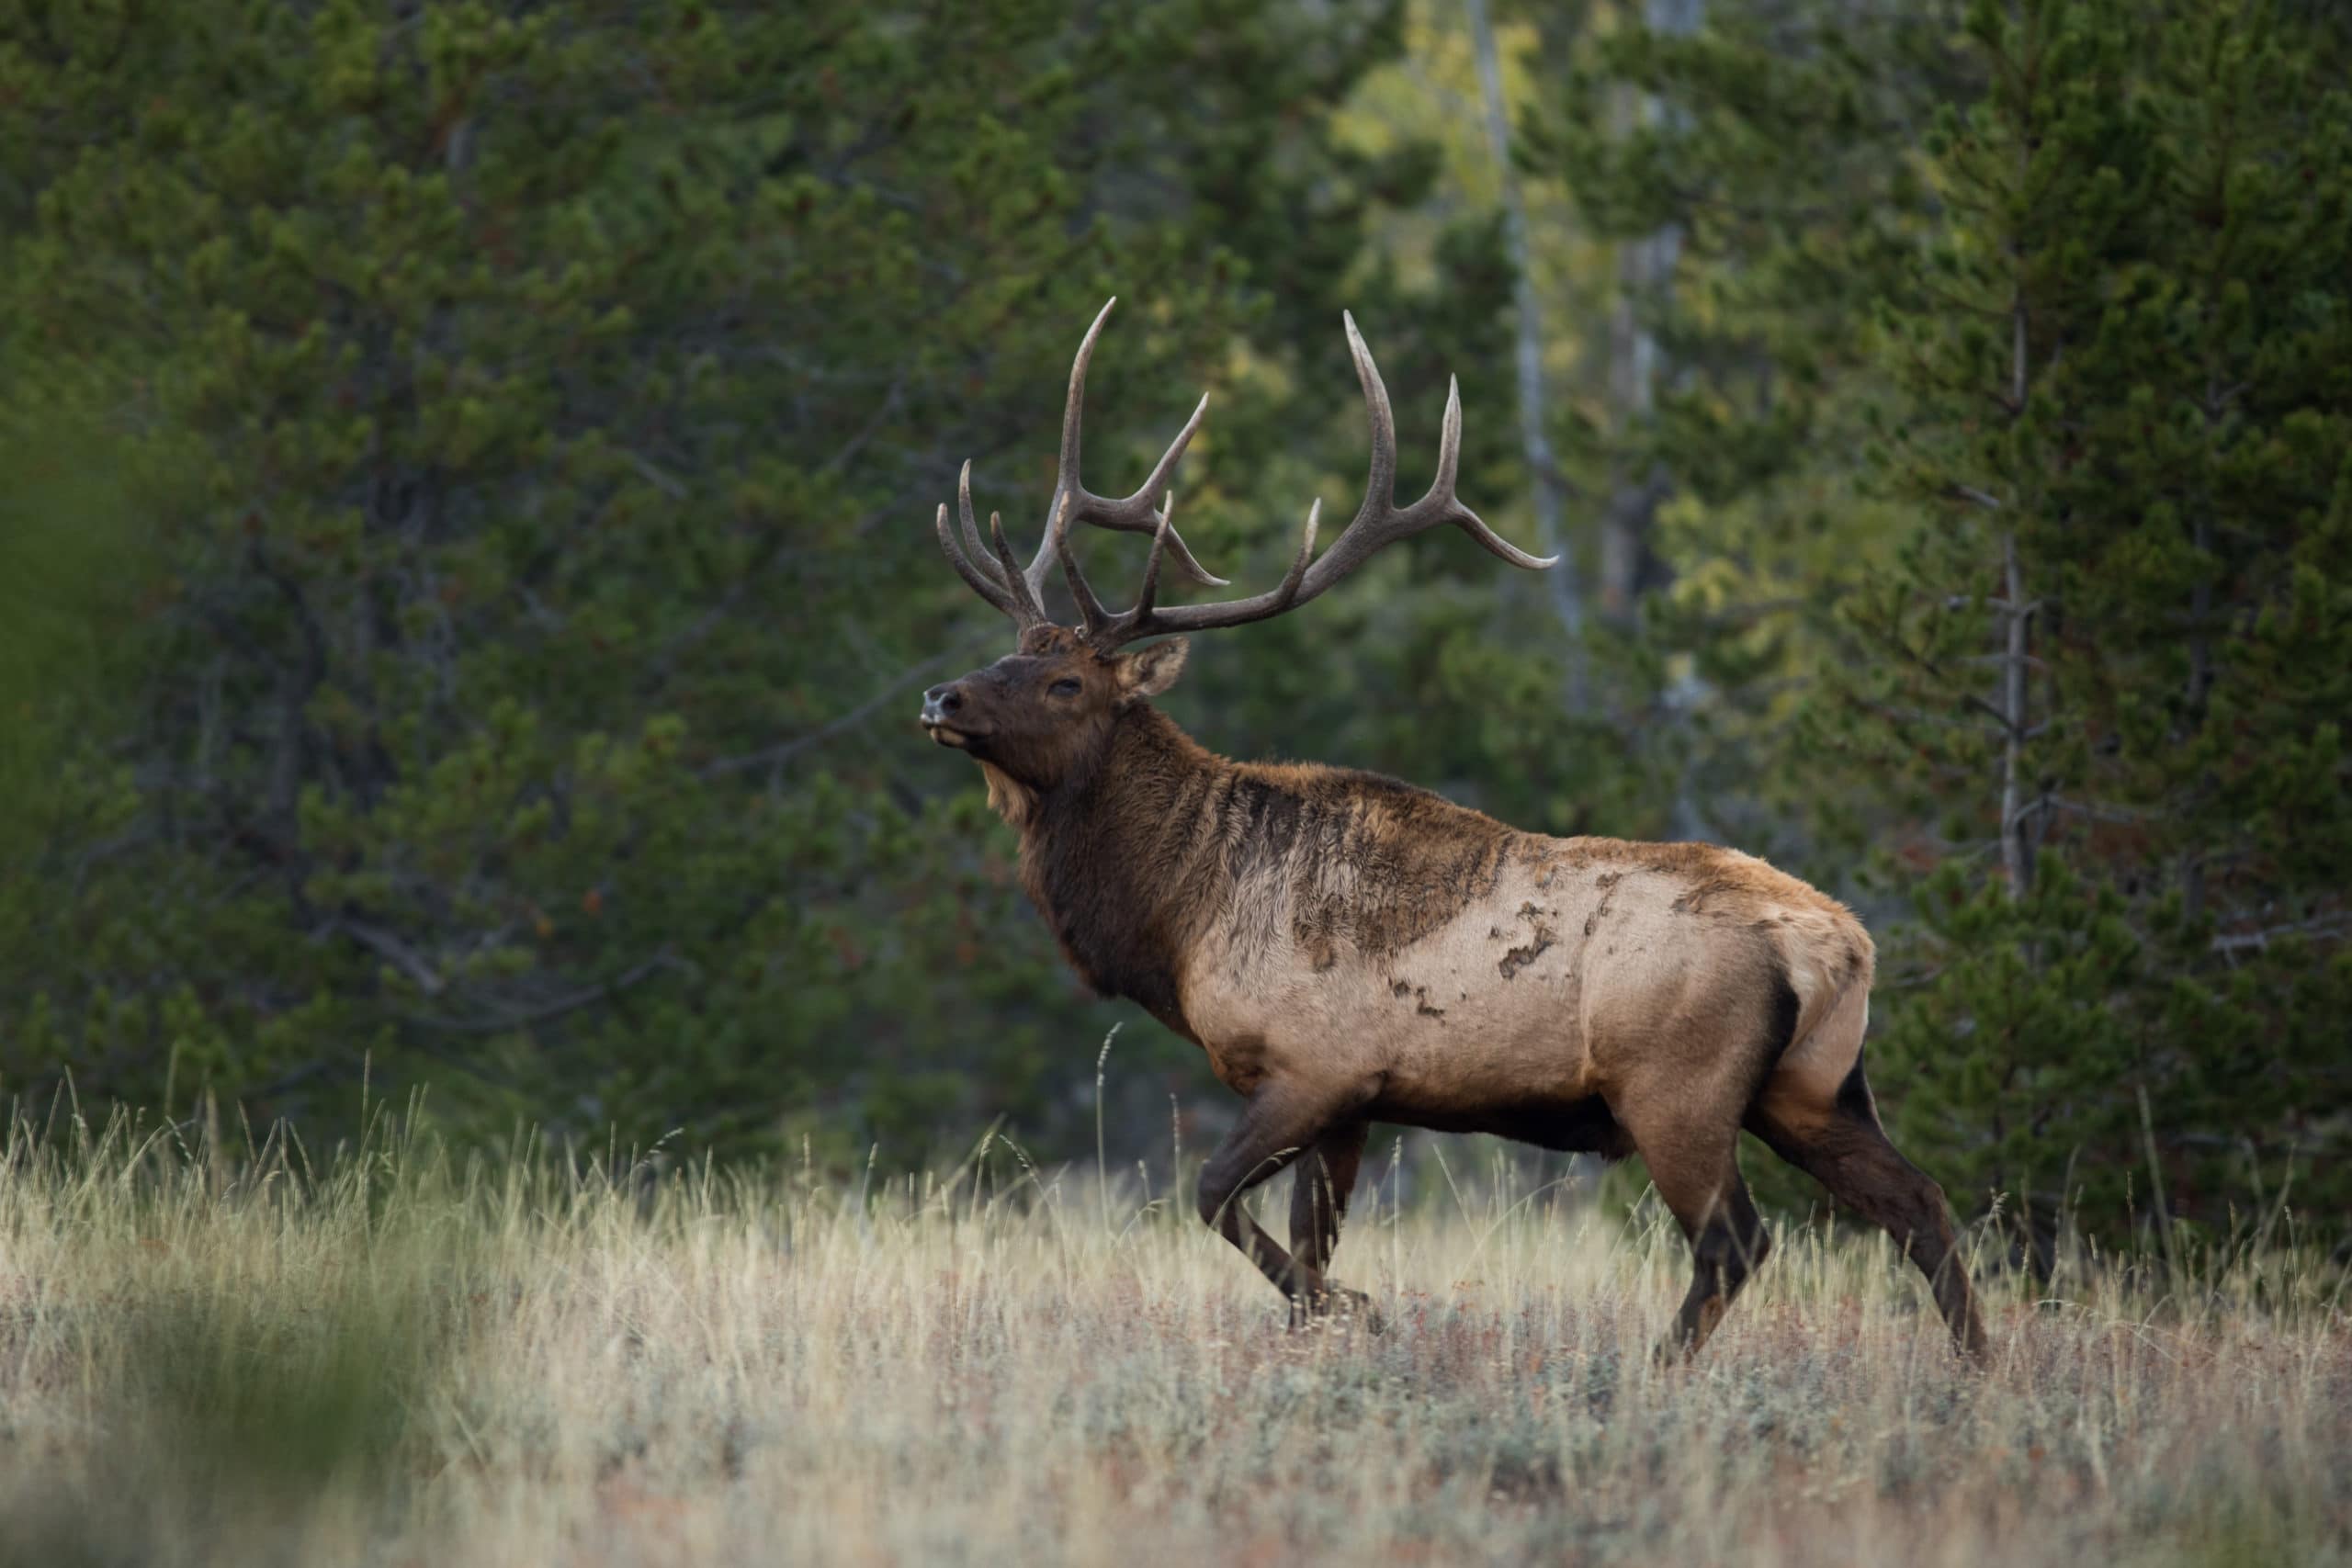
<point x="951" y="700"/>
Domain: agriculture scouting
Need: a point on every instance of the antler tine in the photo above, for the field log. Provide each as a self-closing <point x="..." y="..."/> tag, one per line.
<point x="982" y="584"/>
<point x="1074" y="404"/>
<point x="978" y="551"/>
<point x="1288" y="591"/>
<point x="1159" y="538"/>
<point x="1023" y="608"/>
<point x="1380" y="484"/>
<point x="1090" y="609"/>
<point x="1449" y="460"/>
<point x="1448" y="441"/>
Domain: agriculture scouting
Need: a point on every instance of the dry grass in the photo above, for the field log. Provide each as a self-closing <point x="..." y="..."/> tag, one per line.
<point x="403" y="1361"/>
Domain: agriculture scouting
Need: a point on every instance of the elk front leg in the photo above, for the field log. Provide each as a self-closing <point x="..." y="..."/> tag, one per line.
<point x="1281" y="1123"/>
<point x="1318" y="1201"/>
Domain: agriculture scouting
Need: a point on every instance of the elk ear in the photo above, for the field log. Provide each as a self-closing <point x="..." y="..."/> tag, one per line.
<point x="1151" y="671"/>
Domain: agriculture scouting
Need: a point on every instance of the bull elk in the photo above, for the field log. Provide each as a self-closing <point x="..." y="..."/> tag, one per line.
<point x="1349" y="949"/>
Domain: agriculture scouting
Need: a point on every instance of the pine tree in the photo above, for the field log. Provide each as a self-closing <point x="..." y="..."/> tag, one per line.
<point x="2106" y="678"/>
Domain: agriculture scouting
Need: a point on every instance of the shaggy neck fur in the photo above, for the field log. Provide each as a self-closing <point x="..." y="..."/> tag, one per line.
<point x="1009" y="798"/>
<point x="1114" y="859"/>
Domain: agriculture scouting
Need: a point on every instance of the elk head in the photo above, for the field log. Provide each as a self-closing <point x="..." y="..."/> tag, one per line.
<point x="1043" y="714"/>
<point x="1037" y="718"/>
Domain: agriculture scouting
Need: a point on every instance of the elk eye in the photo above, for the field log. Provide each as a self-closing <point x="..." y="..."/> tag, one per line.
<point x="1065" y="687"/>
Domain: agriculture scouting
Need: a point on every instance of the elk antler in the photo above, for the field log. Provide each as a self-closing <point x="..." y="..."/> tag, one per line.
<point x="1019" y="591"/>
<point x="1378" y="522"/>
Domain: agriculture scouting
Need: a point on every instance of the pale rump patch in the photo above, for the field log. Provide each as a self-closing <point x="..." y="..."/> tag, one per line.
<point x="1803" y="1089"/>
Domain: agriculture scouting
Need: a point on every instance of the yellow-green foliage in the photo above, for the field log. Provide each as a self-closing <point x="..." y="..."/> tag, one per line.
<point x="394" y="1357"/>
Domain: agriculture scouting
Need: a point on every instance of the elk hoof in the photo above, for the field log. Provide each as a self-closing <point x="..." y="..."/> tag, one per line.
<point x="1336" y="1302"/>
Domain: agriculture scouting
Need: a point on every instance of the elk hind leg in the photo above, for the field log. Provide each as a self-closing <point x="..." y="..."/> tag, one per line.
<point x="1842" y="1145"/>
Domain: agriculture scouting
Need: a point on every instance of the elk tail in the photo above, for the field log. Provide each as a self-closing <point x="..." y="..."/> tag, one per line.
<point x="1827" y="961"/>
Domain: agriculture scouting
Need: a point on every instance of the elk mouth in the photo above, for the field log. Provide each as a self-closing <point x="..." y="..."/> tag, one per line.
<point x="949" y="735"/>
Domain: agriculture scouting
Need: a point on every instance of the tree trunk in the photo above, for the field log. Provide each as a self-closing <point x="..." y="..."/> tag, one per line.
<point x="1543" y="468"/>
<point x="1628" y="565"/>
<point x="2017" y="840"/>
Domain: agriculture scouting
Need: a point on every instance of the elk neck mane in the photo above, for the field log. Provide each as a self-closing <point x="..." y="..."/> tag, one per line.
<point x="1102" y="859"/>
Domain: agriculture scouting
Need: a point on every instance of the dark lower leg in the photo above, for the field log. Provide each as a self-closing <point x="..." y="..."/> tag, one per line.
<point x="1726" y="1247"/>
<point x="1318" y="1201"/>
<point x="1276" y="1127"/>
<point x="1918" y="1222"/>
<point x="1852" y="1156"/>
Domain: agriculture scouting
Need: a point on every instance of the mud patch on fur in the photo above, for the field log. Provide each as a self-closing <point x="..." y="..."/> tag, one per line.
<point x="1606" y="883"/>
<point x="1544" y="937"/>
<point x="1401" y="989"/>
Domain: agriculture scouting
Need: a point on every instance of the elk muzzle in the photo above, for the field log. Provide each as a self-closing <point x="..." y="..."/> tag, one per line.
<point x="946" y="716"/>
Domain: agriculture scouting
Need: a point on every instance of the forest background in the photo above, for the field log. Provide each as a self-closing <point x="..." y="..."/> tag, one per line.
<point x="466" y="473"/>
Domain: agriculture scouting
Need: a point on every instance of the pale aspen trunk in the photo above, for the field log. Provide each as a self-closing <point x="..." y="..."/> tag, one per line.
<point x="1645" y="270"/>
<point x="1535" y="442"/>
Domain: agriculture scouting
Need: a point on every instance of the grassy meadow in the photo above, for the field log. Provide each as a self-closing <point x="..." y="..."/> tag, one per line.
<point x="214" y="1353"/>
